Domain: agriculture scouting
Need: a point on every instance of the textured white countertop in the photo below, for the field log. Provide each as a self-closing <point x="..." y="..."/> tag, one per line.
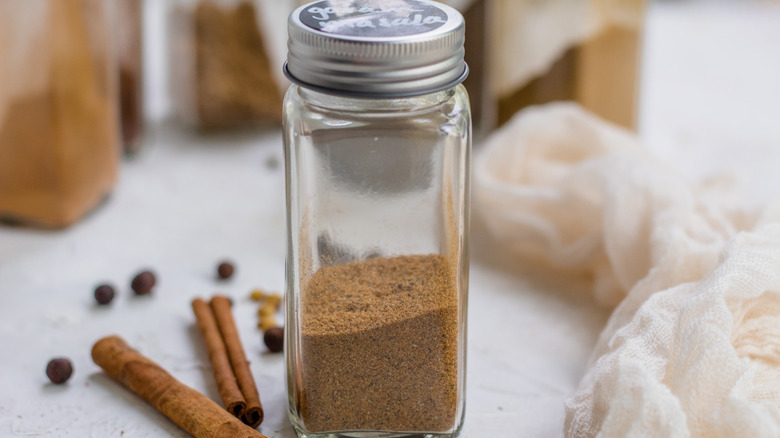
<point x="711" y="103"/>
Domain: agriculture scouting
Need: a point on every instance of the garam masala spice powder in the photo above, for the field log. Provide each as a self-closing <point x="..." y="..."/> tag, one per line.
<point x="377" y="133"/>
<point x="379" y="339"/>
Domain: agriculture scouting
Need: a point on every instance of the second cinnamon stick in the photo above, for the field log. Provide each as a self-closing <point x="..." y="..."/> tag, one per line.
<point x="228" y="388"/>
<point x="253" y="414"/>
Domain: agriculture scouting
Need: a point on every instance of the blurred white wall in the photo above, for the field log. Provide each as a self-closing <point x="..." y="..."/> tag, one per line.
<point x="711" y="89"/>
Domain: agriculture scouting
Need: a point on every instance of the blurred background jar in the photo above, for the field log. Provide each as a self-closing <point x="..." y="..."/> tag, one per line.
<point x="131" y="83"/>
<point x="528" y="52"/>
<point x="59" y="140"/>
<point x="220" y="72"/>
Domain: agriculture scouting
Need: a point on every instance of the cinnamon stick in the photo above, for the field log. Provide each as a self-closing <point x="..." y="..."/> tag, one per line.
<point x="191" y="410"/>
<point x="228" y="388"/>
<point x="253" y="414"/>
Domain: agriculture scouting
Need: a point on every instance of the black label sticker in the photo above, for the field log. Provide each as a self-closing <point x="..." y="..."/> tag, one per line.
<point x="373" y="18"/>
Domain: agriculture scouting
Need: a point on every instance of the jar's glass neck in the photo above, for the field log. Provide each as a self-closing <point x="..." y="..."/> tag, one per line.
<point x="374" y="104"/>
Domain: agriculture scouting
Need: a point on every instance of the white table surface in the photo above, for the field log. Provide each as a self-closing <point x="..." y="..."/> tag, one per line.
<point x="186" y="202"/>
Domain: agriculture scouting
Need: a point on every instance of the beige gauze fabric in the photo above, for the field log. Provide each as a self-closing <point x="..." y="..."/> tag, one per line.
<point x="692" y="348"/>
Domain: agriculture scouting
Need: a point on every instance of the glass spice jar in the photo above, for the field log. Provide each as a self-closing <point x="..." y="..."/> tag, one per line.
<point x="59" y="139"/>
<point x="220" y="70"/>
<point x="377" y="134"/>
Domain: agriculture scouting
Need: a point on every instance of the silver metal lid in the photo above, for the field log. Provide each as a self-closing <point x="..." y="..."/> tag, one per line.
<point x="376" y="48"/>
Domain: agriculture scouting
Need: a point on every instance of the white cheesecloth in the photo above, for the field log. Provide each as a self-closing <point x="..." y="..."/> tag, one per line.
<point x="692" y="348"/>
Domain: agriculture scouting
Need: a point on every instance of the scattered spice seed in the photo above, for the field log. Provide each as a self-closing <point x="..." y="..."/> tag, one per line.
<point x="59" y="370"/>
<point x="143" y="283"/>
<point x="274" y="299"/>
<point x="104" y="294"/>
<point x="274" y="339"/>
<point x="266" y="323"/>
<point x="257" y="295"/>
<point x="225" y="270"/>
<point x="267" y="309"/>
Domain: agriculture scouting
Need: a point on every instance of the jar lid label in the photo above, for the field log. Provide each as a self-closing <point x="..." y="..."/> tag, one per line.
<point x="374" y="19"/>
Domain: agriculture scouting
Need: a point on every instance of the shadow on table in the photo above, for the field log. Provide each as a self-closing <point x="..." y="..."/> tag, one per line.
<point x="531" y="332"/>
<point x="489" y="253"/>
<point x="55" y="388"/>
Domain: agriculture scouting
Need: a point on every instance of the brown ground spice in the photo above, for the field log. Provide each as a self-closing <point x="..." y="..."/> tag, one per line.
<point x="59" y="152"/>
<point x="379" y="342"/>
<point x="232" y="84"/>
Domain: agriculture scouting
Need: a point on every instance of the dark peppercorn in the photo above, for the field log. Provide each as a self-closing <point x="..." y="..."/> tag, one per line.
<point x="274" y="339"/>
<point x="225" y="270"/>
<point x="59" y="370"/>
<point x="143" y="283"/>
<point x="104" y="294"/>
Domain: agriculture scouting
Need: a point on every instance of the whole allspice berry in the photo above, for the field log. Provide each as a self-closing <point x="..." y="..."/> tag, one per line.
<point x="225" y="270"/>
<point x="104" y="294"/>
<point x="143" y="283"/>
<point x="59" y="370"/>
<point x="274" y="339"/>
